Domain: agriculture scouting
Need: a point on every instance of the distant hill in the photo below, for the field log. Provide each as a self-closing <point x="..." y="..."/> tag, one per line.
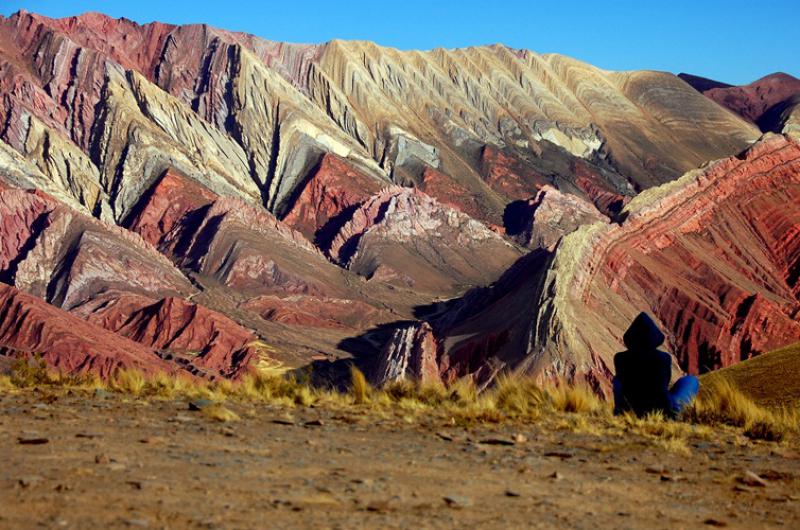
<point x="772" y="379"/>
<point x="767" y="102"/>
<point x="703" y="83"/>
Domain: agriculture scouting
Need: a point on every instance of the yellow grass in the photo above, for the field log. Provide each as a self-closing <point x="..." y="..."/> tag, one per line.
<point x="359" y="387"/>
<point x="721" y="402"/>
<point x="771" y="379"/>
<point x="128" y="382"/>
<point x="219" y="413"/>
<point x="518" y="399"/>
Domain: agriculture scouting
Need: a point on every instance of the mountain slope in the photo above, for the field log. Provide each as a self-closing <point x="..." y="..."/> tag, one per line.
<point x="762" y="101"/>
<point x="756" y="377"/>
<point x="714" y="256"/>
<point x="226" y="201"/>
<point x="391" y="114"/>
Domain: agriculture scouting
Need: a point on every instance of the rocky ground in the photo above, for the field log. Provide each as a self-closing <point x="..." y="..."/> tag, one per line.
<point x="104" y="461"/>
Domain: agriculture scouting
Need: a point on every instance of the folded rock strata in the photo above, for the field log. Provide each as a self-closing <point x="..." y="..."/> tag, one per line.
<point x="404" y="236"/>
<point x="253" y="118"/>
<point x="30" y="327"/>
<point x="207" y="193"/>
<point x="715" y="256"/>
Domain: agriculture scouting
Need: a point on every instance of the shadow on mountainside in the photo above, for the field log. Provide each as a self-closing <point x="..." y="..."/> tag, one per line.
<point x="364" y="350"/>
<point x="366" y="347"/>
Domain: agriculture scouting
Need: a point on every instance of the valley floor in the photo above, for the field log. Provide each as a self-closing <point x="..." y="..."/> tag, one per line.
<point x="103" y="461"/>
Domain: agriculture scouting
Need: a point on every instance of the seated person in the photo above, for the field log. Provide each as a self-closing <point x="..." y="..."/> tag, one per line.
<point x="643" y="374"/>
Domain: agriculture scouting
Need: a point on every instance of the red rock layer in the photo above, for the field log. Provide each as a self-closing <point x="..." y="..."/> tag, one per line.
<point x="508" y="175"/>
<point x="169" y="201"/>
<point x="244" y="247"/>
<point x="448" y="191"/>
<point x="715" y="260"/>
<point x="754" y="100"/>
<point x="29" y="326"/>
<point x="334" y="187"/>
<point x="203" y="339"/>
<point x="310" y="311"/>
<point x="67" y="257"/>
<point x="109" y="277"/>
<point x="69" y="56"/>
<point x="592" y="184"/>
<point x="714" y="256"/>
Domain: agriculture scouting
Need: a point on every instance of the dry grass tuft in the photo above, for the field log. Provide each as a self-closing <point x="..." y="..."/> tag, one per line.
<point x="6" y="384"/>
<point x="574" y="398"/>
<point x="359" y="388"/>
<point x="520" y="397"/>
<point x="512" y="398"/>
<point x="220" y="413"/>
<point x="721" y="403"/>
<point x="128" y="382"/>
<point x="27" y="373"/>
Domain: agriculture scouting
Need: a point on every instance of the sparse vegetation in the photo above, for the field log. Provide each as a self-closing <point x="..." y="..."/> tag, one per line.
<point x="518" y="399"/>
<point x="220" y="413"/>
<point x="359" y="386"/>
<point x="722" y="403"/>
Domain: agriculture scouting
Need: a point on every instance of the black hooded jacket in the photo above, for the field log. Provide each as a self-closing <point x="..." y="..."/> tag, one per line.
<point x="643" y="371"/>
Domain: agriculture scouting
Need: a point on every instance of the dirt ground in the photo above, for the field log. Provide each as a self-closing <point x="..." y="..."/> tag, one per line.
<point x="102" y="461"/>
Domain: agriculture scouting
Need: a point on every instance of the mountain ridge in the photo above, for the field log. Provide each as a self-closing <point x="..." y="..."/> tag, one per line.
<point x="317" y="198"/>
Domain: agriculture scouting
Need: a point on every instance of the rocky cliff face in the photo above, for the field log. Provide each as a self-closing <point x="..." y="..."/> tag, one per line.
<point x="403" y="236"/>
<point x="253" y="118"/>
<point x="714" y="256"/>
<point x="216" y="198"/>
<point x="31" y="327"/>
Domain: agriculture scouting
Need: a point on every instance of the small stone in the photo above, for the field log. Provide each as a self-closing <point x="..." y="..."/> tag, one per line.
<point x="748" y="478"/>
<point x="99" y="393"/>
<point x="771" y="474"/>
<point x="380" y="506"/>
<point x="512" y="493"/>
<point x="715" y="522"/>
<point x="200" y="404"/>
<point x="135" y="484"/>
<point x="555" y="475"/>
<point x="89" y="435"/>
<point x="314" y="423"/>
<point x="152" y="440"/>
<point x="520" y="438"/>
<point x="497" y="441"/>
<point x="138" y="523"/>
<point x="743" y="489"/>
<point x="655" y="470"/>
<point x="32" y="440"/>
<point x="444" y="436"/>
<point x="457" y="501"/>
<point x="559" y="454"/>
<point x="29" y="480"/>
<point x="283" y="421"/>
<point x="102" y="458"/>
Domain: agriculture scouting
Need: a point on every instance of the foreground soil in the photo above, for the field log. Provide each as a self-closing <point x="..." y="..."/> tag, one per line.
<point x="104" y="461"/>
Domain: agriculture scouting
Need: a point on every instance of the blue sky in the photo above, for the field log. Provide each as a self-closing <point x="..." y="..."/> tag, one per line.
<point x="734" y="41"/>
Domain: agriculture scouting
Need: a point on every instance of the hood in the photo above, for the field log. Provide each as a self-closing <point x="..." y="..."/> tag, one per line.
<point x="643" y="334"/>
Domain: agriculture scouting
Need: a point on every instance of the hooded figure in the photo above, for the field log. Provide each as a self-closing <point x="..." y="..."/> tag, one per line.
<point x="643" y="373"/>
